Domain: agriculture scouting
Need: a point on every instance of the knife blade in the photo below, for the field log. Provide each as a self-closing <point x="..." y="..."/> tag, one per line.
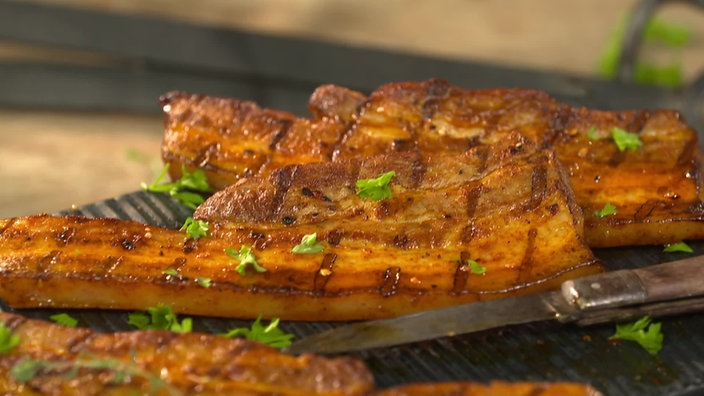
<point x="658" y="290"/>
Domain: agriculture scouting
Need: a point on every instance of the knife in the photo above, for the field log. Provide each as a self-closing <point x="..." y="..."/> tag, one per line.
<point x="659" y="290"/>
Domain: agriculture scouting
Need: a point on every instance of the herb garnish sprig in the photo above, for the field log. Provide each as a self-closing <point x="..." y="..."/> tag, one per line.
<point x="183" y="188"/>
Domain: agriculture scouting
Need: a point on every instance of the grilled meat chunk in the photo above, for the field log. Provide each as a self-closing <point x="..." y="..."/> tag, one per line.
<point x="78" y="361"/>
<point x="655" y="188"/>
<point x="507" y="207"/>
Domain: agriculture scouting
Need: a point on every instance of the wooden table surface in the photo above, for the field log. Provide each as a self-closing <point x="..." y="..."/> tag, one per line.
<point x="52" y="160"/>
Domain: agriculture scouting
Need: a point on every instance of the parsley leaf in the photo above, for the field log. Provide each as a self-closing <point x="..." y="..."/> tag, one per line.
<point x="203" y="282"/>
<point x="609" y="209"/>
<point x="8" y="341"/>
<point x="195" y="181"/>
<point x="591" y="133"/>
<point x="160" y="317"/>
<point x="309" y="245"/>
<point x="475" y="268"/>
<point x="170" y="272"/>
<point x="677" y="247"/>
<point x="64" y="319"/>
<point x="270" y="335"/>
<point x="244" y="256"/>
<point x="377" y="188"/>
<point x="195" y="229"/>
<point x="625" y="140"/>
<point x="643" y="332"/>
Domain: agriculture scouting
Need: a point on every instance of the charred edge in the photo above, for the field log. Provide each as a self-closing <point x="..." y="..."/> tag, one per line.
<point x="461" y="274"/>
<point x="324" y="273"/>
<point x="285" y="126"/>
<point x="347" y="131"/>
<point x="282" y="182"/>
<point x="539" y="185"/>
<point x="527" y="262"/>
<point x="45" y="263"/>
<point x="389" y="285"/>
<point x="189" y="245"/>
<point x="473" y="196"/>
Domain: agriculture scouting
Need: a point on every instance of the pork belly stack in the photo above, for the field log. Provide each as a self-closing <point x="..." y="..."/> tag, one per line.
<point x="656" y="188"/>
<point x="506" y="206"/>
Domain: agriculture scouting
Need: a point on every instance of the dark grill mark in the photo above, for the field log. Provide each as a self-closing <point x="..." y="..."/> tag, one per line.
<point x="346" y="132"/>
<point x="389" y="285"/>
<point x="334" y="237"/>
<point x="206" y="154"/>
<point x="65" y="236"/>
<point x="461" y="274"/>
<point x="324" y="272"/>
<point x="482" y="153"/>
<point x="402" y="145"/>
<point x="45" y="263"/>
<point x="437" y="92"/>
<point x="189" y="245"/>
<point x="178" y="263"/>
<point x="418" y="168"/>
<point x="638" y="121"/>
<point x="14" y="322"/>
<point x="524" y="272"/>
<point x="646" y="209"/>
<point x="473" y="194"/>
<point x="539" y="184"/>
<point x="283" y="179"/>
<point x="617" y="158"/>
<point x="288" y="220"/>
<point x="78" y="343"/>
<point x="401" y="241"/>
<point x="284" y="127"/>
<point x="110" y="264"/>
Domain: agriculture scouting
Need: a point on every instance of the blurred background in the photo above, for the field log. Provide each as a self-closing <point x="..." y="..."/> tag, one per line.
<point x="80" y="120"/>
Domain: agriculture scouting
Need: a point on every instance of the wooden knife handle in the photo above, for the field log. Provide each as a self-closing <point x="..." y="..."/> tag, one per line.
<point x="661" y="282"/>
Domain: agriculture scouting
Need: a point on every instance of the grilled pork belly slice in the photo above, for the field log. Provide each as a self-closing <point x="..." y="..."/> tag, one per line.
<point x="508" y="207"/>
<point x="656" y="188"/>
<point x="496" y="388"/>
<point x="166" y="363"/>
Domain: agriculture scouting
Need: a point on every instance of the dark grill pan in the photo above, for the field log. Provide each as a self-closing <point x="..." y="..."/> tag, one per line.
<point x="533" y="352"/>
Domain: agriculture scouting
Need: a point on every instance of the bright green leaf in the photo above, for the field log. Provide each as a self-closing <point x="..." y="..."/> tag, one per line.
<point x="643" y="332"/>
<point x="309" y="245"/>
<point x="245" y="256"/>
<point x="377" y="188"/>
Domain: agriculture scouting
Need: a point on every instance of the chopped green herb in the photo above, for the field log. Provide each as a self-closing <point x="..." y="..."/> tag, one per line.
<point x="677" y="247"/>
<point x="270" y="335"/>
<point x="182" y="188"/>
<point x="64" y="319"/>
<point x="8" y="340"/>
<point x="27" y="369"/>
<point x="475" y="268"/>
<point x="643" y="332"/>
<point x="203" y="282"/>
<point x="171" y="272"/>
<point x="309" y="245"/>
<point x="607" y="210"/>
<point x="625" y="140"/>
<point x="160" y="317"/>
<point x="245" y="257"/>
<point x="591" y="133"/>
<point x="195" y="229"/>
<point x="377" y="188"/>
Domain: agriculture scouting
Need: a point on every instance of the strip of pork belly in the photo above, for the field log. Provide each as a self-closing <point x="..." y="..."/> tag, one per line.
<point x="508" y="207"/>
<point x="494" y="388"/>
<point x="656" y="188"/>
<point x="183" y="364"/>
